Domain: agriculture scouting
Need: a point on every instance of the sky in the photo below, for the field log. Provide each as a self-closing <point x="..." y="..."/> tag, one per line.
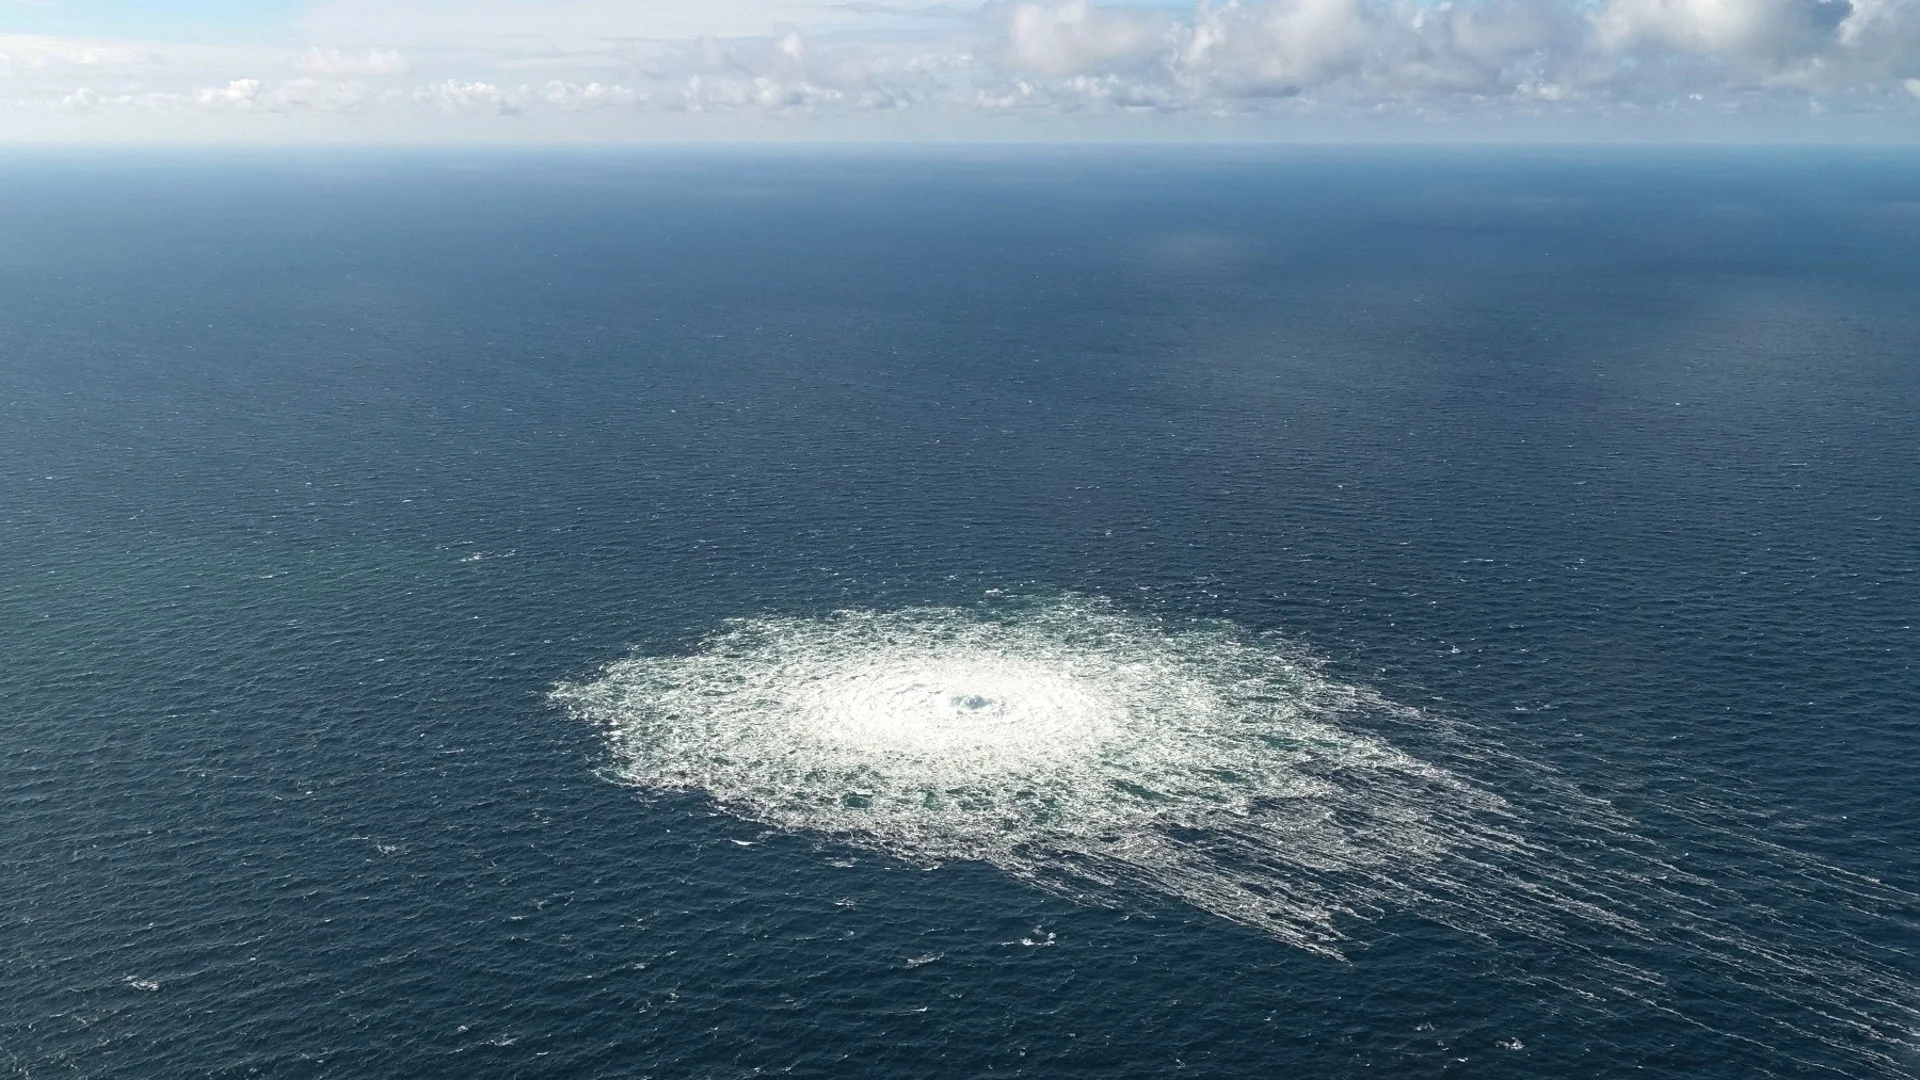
<point x="545" y="71"/>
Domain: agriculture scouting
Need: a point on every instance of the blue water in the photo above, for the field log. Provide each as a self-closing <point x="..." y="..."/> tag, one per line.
<point x="318" y="473"/>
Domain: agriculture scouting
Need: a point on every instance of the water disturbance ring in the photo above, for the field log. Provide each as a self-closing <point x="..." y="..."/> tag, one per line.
<point x="1108" y="757"/>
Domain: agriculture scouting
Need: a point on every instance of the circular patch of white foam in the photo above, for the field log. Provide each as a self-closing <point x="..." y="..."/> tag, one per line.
<point x="1066" y="742"/>
<point x="1105" y="756"/>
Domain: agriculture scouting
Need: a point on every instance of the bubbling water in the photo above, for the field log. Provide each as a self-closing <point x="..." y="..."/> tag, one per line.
<point x="1069" y="744"/>
<point x="1110" y="759"/>
<point x="976" y="706"/>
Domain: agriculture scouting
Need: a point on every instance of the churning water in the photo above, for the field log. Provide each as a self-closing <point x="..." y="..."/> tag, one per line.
<point x="1106" y="756"/>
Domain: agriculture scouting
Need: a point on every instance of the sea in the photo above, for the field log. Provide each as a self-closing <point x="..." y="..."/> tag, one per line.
<point x="910" y="612"/>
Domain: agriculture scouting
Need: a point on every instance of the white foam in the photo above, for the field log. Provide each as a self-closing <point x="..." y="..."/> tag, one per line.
<point x="1106" y="757"/>
<point x="1067" y="743"/>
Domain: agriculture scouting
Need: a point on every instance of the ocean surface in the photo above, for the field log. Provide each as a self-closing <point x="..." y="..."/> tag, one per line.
<point x="963" y="613"/>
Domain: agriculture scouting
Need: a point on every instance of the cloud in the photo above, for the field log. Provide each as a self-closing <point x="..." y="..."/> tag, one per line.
<point x="1075" y="37"/>
<point x="236" y="92"/>
<point x="605" y="69"/>
<point x="372" y="63"/>
<point x="576" y="23"/>
<point x="594" y="95"/>
<point x="1428" y="56"/>
<point x="471" y="97"/>
<point x="1245" y="56"/>
<point x="33" y="53"/>
<point x="1735" y="29"/>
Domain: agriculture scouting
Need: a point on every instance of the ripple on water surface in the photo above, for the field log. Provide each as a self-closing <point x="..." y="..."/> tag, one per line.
<point x="1067" y="744"/>
<point x="1102" y="755"/>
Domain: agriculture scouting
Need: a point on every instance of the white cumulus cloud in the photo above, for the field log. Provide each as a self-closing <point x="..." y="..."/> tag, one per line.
<point x="605" y="69"/>
<point x="236" y="92"/>
<point x="1058" y="39"/>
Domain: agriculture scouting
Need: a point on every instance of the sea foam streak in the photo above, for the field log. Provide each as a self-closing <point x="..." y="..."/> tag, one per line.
<point x="1104" y="756"/>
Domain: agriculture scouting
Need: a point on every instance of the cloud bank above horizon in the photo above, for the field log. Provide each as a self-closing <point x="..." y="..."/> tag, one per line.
<point x="515" y="70"/>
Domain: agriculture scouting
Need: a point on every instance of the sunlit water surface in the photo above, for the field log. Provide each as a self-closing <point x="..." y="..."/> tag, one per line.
<point x="1096" y="614"/>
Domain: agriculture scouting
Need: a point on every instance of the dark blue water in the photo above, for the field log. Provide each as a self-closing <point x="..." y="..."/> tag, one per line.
<point x="318" y="473"/>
